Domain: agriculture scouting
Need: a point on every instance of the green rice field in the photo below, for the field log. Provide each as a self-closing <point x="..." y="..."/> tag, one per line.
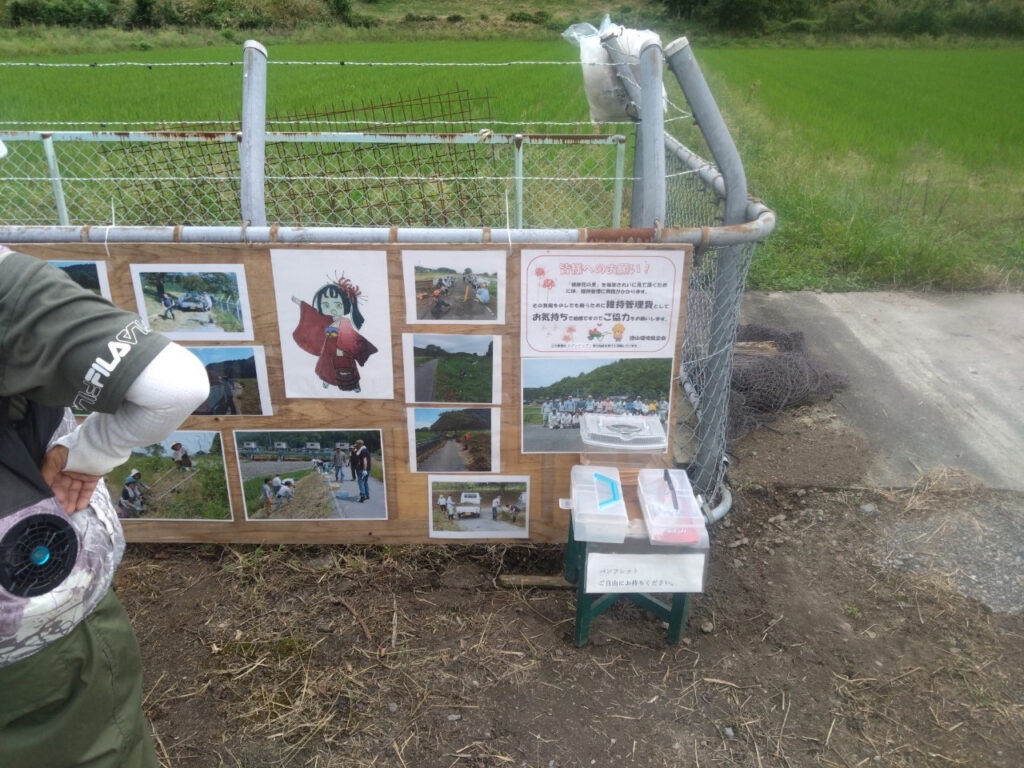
<point x="214" y="92"/>
<point x="887" y="167"/>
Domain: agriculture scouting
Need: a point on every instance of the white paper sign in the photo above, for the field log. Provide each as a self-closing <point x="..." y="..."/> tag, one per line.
<point x="600" y="302"/>
<point x="609" y="572"/>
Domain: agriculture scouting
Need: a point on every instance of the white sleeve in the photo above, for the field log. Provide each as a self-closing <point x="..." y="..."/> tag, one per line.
<point x="163" y="396"/>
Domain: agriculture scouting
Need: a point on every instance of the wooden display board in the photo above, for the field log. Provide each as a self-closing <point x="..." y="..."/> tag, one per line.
<point x="408" y="505"/>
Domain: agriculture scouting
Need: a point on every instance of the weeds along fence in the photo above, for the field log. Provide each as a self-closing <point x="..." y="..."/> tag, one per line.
<point x="433" y="168"/>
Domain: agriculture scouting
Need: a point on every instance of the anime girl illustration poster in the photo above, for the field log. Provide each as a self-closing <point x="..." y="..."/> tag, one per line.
<point x="335" y="323"/>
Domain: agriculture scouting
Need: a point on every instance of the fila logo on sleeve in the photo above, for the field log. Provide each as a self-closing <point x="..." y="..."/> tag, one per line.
<point x="96" y="374"/>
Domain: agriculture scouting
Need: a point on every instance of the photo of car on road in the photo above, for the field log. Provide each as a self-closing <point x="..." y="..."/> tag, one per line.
<point x="194" y="302"/>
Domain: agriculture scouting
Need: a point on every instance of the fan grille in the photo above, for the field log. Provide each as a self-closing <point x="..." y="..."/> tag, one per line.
<point x="37" y="554"/>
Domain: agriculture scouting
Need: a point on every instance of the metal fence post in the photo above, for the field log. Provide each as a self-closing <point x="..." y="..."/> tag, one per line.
<point x="620" y="169"/>
<point x="706" y="465"/>
<point x="252" y="153"/>
<point x="652" y="131"/>
<point x="648" y="200"/>
<point x="55" y="180"/>
<point x="518" y="148"/>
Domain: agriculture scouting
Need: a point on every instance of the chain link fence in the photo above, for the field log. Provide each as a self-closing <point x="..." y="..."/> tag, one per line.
<point x="691" y="202"/>
<point x="337" y="179"/>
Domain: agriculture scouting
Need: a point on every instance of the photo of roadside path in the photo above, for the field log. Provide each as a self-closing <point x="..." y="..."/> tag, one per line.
<point x="452" y="439"/>
<point x="449" y="456"/>
<point x="425" y="375"/>
<point x="307" y="475"/>
<point x="453" y="368"/>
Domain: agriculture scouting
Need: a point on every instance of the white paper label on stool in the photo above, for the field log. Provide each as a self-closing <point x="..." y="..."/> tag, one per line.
<point x="611" y="572"/>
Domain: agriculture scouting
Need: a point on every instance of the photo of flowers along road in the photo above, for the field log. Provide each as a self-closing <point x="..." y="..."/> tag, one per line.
<point x="452" y="368"/>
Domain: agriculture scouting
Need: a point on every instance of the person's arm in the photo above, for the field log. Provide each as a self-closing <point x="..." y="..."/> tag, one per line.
<point x="161" y="397"/>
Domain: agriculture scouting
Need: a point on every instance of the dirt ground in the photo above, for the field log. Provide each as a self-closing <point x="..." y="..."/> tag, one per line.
<point x="839" y="628"/>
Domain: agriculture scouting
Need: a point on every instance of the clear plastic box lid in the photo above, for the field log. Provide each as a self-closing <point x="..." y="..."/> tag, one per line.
<point x="597" y="498"/>
<point x="670" y="509"/>
<point x="623" y="433"/>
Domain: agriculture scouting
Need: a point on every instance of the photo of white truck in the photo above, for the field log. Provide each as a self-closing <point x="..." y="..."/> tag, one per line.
<point x="469" y="505"/>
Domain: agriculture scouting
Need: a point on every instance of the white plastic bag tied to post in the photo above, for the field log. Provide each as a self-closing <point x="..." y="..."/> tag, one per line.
<point x="609" y="101"/>
<point x="605" y="93"/>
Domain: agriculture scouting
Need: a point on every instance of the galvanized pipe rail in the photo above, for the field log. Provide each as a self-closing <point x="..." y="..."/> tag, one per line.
<point x="696" y="236"/>
<point x="707" y="466"/>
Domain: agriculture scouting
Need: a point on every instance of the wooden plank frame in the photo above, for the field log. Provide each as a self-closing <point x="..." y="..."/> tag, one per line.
<point x="407" y="500"/>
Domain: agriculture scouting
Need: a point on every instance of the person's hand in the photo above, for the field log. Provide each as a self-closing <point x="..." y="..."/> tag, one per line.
<point x="73" y="490"/>
<point x="365" y="473"/>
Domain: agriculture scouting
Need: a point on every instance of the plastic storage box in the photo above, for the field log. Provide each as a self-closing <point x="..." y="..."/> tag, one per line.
<point x="670" y="509"/>
<point x="623" y="433"/>
<point x="598" y="509"/>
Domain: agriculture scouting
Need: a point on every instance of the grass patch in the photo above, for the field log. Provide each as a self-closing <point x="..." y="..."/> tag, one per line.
<point x="198" y="495"/>
<point x="532" y="414"/>
<point x="879" y="176"/>
<point x="253" y="488"/>
<point x="441" y="521"/>
<point x="463" y="378"/>
<point x="171" y="94"/>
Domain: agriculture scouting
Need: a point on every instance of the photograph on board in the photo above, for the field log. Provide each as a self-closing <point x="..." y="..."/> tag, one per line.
<point x="559" y="393"/>
<point x="181" y="478"/>
<point x="194" y="302"/>
<point x="238" y="381"/>
<point x="335" y="474"/>
<point x="334" y="317"/>
<point x="495" y="507"/>
<point x="454" y="286"/>
<point x="452" y="368"/>
<point x="91" y="275"/>
<point x="453" y="439"/>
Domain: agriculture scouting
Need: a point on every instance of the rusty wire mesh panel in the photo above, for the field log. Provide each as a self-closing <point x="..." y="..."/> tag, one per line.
<point x="419" y="164"/>
<point x="174" y="182"/>
<point x="372" y="183"/>
<point x="381" y="184"/>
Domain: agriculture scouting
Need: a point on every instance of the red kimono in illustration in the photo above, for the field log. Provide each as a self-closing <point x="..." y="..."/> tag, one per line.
<point x="317" y="334"/>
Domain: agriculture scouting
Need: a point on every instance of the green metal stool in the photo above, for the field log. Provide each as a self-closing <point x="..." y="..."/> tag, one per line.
<point x="589" y="606"/>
